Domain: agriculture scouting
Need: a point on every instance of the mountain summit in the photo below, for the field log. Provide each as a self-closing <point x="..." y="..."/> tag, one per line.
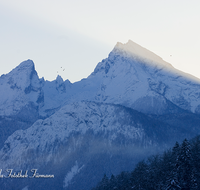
<point x="136" y="51"/>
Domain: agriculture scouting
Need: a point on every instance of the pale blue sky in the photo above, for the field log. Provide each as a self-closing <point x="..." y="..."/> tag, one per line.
<point x="78" y="34"/>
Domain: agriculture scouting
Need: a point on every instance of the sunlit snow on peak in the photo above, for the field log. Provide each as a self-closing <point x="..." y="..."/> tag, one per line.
<point x="131" y="49"/>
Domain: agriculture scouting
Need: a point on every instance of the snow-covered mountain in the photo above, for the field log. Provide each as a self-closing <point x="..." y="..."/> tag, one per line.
<point x="130" y="76"/>
<point x="135" y="77"/>
<point x="24" y="98"/>
<point x="132" y="105"/>
<point x="22" y="87"/>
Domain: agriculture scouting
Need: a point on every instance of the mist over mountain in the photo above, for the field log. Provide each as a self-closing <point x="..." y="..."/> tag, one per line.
<point x="134" y="104"/>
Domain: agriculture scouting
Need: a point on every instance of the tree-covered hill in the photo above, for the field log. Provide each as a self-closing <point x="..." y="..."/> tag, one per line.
<point x="176" y="169"/>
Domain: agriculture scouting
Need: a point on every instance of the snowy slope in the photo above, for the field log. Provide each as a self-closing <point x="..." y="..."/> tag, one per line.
<point x="79" y="117"/>
<point x="71" y="138"/>
<point x="79" y="138"/>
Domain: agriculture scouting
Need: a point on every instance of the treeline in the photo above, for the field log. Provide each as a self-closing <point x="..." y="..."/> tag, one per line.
<point x="176" y="169"/>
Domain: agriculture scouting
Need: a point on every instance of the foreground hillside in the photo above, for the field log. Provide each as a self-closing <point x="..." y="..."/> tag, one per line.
<point x="176" y="168"/>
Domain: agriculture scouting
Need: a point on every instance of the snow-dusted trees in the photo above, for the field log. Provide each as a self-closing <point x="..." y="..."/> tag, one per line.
<point x="170" y="182"/>
<point x="176" y="169"/>
<point x="184" y="166"/>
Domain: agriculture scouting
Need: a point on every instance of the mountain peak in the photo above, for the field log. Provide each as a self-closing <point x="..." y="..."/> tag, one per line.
<point x="26" y="64"/>
<point x="24" y="68"/>
<point x="23" y="75"/>
<point x="133" y="50"/>
<point x="59" y="80"/>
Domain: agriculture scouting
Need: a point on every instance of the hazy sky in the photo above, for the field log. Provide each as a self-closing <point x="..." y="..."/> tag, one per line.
<point x="76" y="35"/>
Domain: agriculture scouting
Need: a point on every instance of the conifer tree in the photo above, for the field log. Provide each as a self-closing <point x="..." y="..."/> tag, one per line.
<point x="172" y="181"/>
<point x="195" y="151"/>
<point x="139" y="176"/>
<point x="185" y="166"/>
